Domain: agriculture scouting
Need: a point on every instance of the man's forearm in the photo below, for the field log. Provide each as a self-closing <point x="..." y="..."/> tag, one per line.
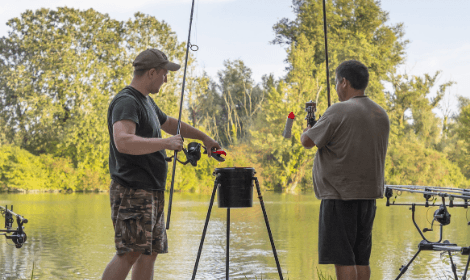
<point x="186" y="130"/>
<point x="136" y="145"/>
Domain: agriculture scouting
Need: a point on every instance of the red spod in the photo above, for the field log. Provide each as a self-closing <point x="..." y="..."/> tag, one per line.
<point x="291" y="115"/>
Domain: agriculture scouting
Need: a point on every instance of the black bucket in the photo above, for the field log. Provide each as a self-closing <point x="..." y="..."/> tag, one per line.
<point x="235" y="187"/>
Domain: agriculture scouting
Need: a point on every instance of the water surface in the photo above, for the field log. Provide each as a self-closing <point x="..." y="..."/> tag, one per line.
<point x="70" y="236"/>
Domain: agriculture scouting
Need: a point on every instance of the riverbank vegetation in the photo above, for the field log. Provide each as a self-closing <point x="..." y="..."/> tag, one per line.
<point x="60" y="69"/>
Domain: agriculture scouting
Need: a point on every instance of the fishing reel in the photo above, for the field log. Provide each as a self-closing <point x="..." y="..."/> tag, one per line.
<point x="311" y="108"/>
<point x="442" y="216"/>
<point x="19" y="236"/>
<point x="193" y="154"/>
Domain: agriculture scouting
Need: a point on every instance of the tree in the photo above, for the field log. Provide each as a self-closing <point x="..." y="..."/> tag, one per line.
<point x="410" y="107"/>
<point x="356" y="30"/>
<point x="60" y="69"/>
<point x="231" y="105"/>
<point x="458" y="147"/>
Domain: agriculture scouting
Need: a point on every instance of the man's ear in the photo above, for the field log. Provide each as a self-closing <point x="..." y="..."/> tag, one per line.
<point x="151" y="72"/>
<point x="346" y="82"/>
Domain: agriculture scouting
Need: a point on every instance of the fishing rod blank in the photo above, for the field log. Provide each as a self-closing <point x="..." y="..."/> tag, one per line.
<point x="179" y="120"/>
<point x="326" y="54"/>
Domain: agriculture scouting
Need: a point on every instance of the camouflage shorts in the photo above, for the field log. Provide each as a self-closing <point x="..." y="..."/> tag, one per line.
<point x="138" y="220"/>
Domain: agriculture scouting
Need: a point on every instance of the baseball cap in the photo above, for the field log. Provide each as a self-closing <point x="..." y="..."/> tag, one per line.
<point x="153" y="58"/>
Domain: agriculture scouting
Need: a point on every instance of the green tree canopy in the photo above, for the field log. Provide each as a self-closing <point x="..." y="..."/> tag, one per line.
<point x="356" y="29"/>
<point x="60" y="68"/>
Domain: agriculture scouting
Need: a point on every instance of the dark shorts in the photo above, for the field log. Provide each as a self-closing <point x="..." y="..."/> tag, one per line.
<point x="138" y="220"/>
<point x="345" y="231"/>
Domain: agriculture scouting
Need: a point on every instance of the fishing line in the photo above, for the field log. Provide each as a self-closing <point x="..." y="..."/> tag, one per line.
<point x="195" y="47"/>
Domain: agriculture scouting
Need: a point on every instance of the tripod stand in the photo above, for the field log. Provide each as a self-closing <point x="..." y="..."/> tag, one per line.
<point x="216" y="185"/>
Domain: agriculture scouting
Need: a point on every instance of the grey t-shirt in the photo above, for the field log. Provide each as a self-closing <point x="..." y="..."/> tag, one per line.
<point x="352" y="140"/>
<point x="147" y="171"/>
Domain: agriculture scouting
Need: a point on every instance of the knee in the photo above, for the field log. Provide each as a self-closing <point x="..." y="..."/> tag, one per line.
<point x="131" y="257"/>
<point x="148" y="258"/>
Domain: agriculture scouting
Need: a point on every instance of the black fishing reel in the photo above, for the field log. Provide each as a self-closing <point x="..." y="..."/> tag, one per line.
<point x="193" y="154"/>
<point x="442" y="216"/>
<point x="310" y="108"/>
<point x="19" y="236"/>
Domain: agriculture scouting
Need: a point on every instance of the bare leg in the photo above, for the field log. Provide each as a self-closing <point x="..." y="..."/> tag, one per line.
<point x="346" y="272"/>
<point x="119" y="266"/>
<point x="143" y="267"/>
<point x="363" y="272"/>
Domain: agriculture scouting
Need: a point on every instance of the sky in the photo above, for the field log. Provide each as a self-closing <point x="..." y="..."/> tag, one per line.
<point x="438" y="31"/>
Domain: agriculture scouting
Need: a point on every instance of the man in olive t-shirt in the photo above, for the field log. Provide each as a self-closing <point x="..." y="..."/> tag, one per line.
<point x="348" y="172"/>
<point x="138" y="168"/>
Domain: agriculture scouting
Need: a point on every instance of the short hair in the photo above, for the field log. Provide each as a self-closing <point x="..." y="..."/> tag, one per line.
<point x="355" y="72"/>
<point x="141" y="72"/>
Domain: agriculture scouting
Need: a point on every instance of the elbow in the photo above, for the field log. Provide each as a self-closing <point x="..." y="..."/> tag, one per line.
<point x="120" y="147"/>
<point x="120" y="144"/>
<point x="307" y="142"/>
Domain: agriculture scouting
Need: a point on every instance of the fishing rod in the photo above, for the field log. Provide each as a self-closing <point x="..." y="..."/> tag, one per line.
<point x="188" y="46"/>
<point x="311" y="106"/>
<point x="326" y="54"/>
<point x="428" y="193"/>
<point x="18" y="236"/>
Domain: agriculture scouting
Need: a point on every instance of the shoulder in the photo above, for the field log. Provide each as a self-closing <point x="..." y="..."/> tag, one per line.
<point x="125" y="96"/>
<point x="335" y="110"/>
<point x="376" y="108"/>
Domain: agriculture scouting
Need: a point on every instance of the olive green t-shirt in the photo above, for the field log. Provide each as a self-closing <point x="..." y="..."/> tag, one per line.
<point x="147" y="171"/>
<point x="352" y="140"/>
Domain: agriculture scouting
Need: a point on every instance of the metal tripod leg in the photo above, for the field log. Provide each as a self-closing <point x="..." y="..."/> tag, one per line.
<point x="464" y="277"/>
<point x="454" y="269"/>
<point x="204" y="231"/>
<point x="227" y="257"/>
<point x="403" y="269"/>
<point x="268" y="228"/>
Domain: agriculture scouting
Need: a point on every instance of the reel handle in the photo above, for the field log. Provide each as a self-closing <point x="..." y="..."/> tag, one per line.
<point x="310" y="108"/>
<point x="217" y="154"/>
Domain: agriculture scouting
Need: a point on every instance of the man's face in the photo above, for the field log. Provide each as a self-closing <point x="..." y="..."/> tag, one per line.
<point x="158" y="78"/>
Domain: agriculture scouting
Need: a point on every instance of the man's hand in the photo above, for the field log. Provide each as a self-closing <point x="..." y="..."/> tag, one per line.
<point x="175" y="143"/>
<point x="210" y="143"/>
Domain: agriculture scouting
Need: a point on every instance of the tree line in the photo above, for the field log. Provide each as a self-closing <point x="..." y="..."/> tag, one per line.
<point x="60" y="69"/>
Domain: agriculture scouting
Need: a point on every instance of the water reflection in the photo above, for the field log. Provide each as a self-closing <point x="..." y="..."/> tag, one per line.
<point x="71" y="236"/>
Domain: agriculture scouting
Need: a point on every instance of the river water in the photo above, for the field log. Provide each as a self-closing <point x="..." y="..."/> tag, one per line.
<point x="70" y="236"/>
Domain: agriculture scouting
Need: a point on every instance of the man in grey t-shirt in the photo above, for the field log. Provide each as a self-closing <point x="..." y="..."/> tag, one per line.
<point x="348" y="172"/>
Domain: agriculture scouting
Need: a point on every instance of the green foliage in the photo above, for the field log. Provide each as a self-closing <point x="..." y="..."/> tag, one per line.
<point x="412" y="95"/>
<point x="228" y="108"/>
<point x="19" y="169"/>
<point x="60" y="68"/>
<point x="458" y="145"/>
<point x="286" y="158"/>
<point x="409" y="162"/>
<point x="356" y="30"/>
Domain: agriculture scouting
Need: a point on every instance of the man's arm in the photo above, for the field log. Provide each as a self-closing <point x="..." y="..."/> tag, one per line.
<point x="128" y="143"/>
<point x="306" y="141"/>
<point x="187" y="131"/>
